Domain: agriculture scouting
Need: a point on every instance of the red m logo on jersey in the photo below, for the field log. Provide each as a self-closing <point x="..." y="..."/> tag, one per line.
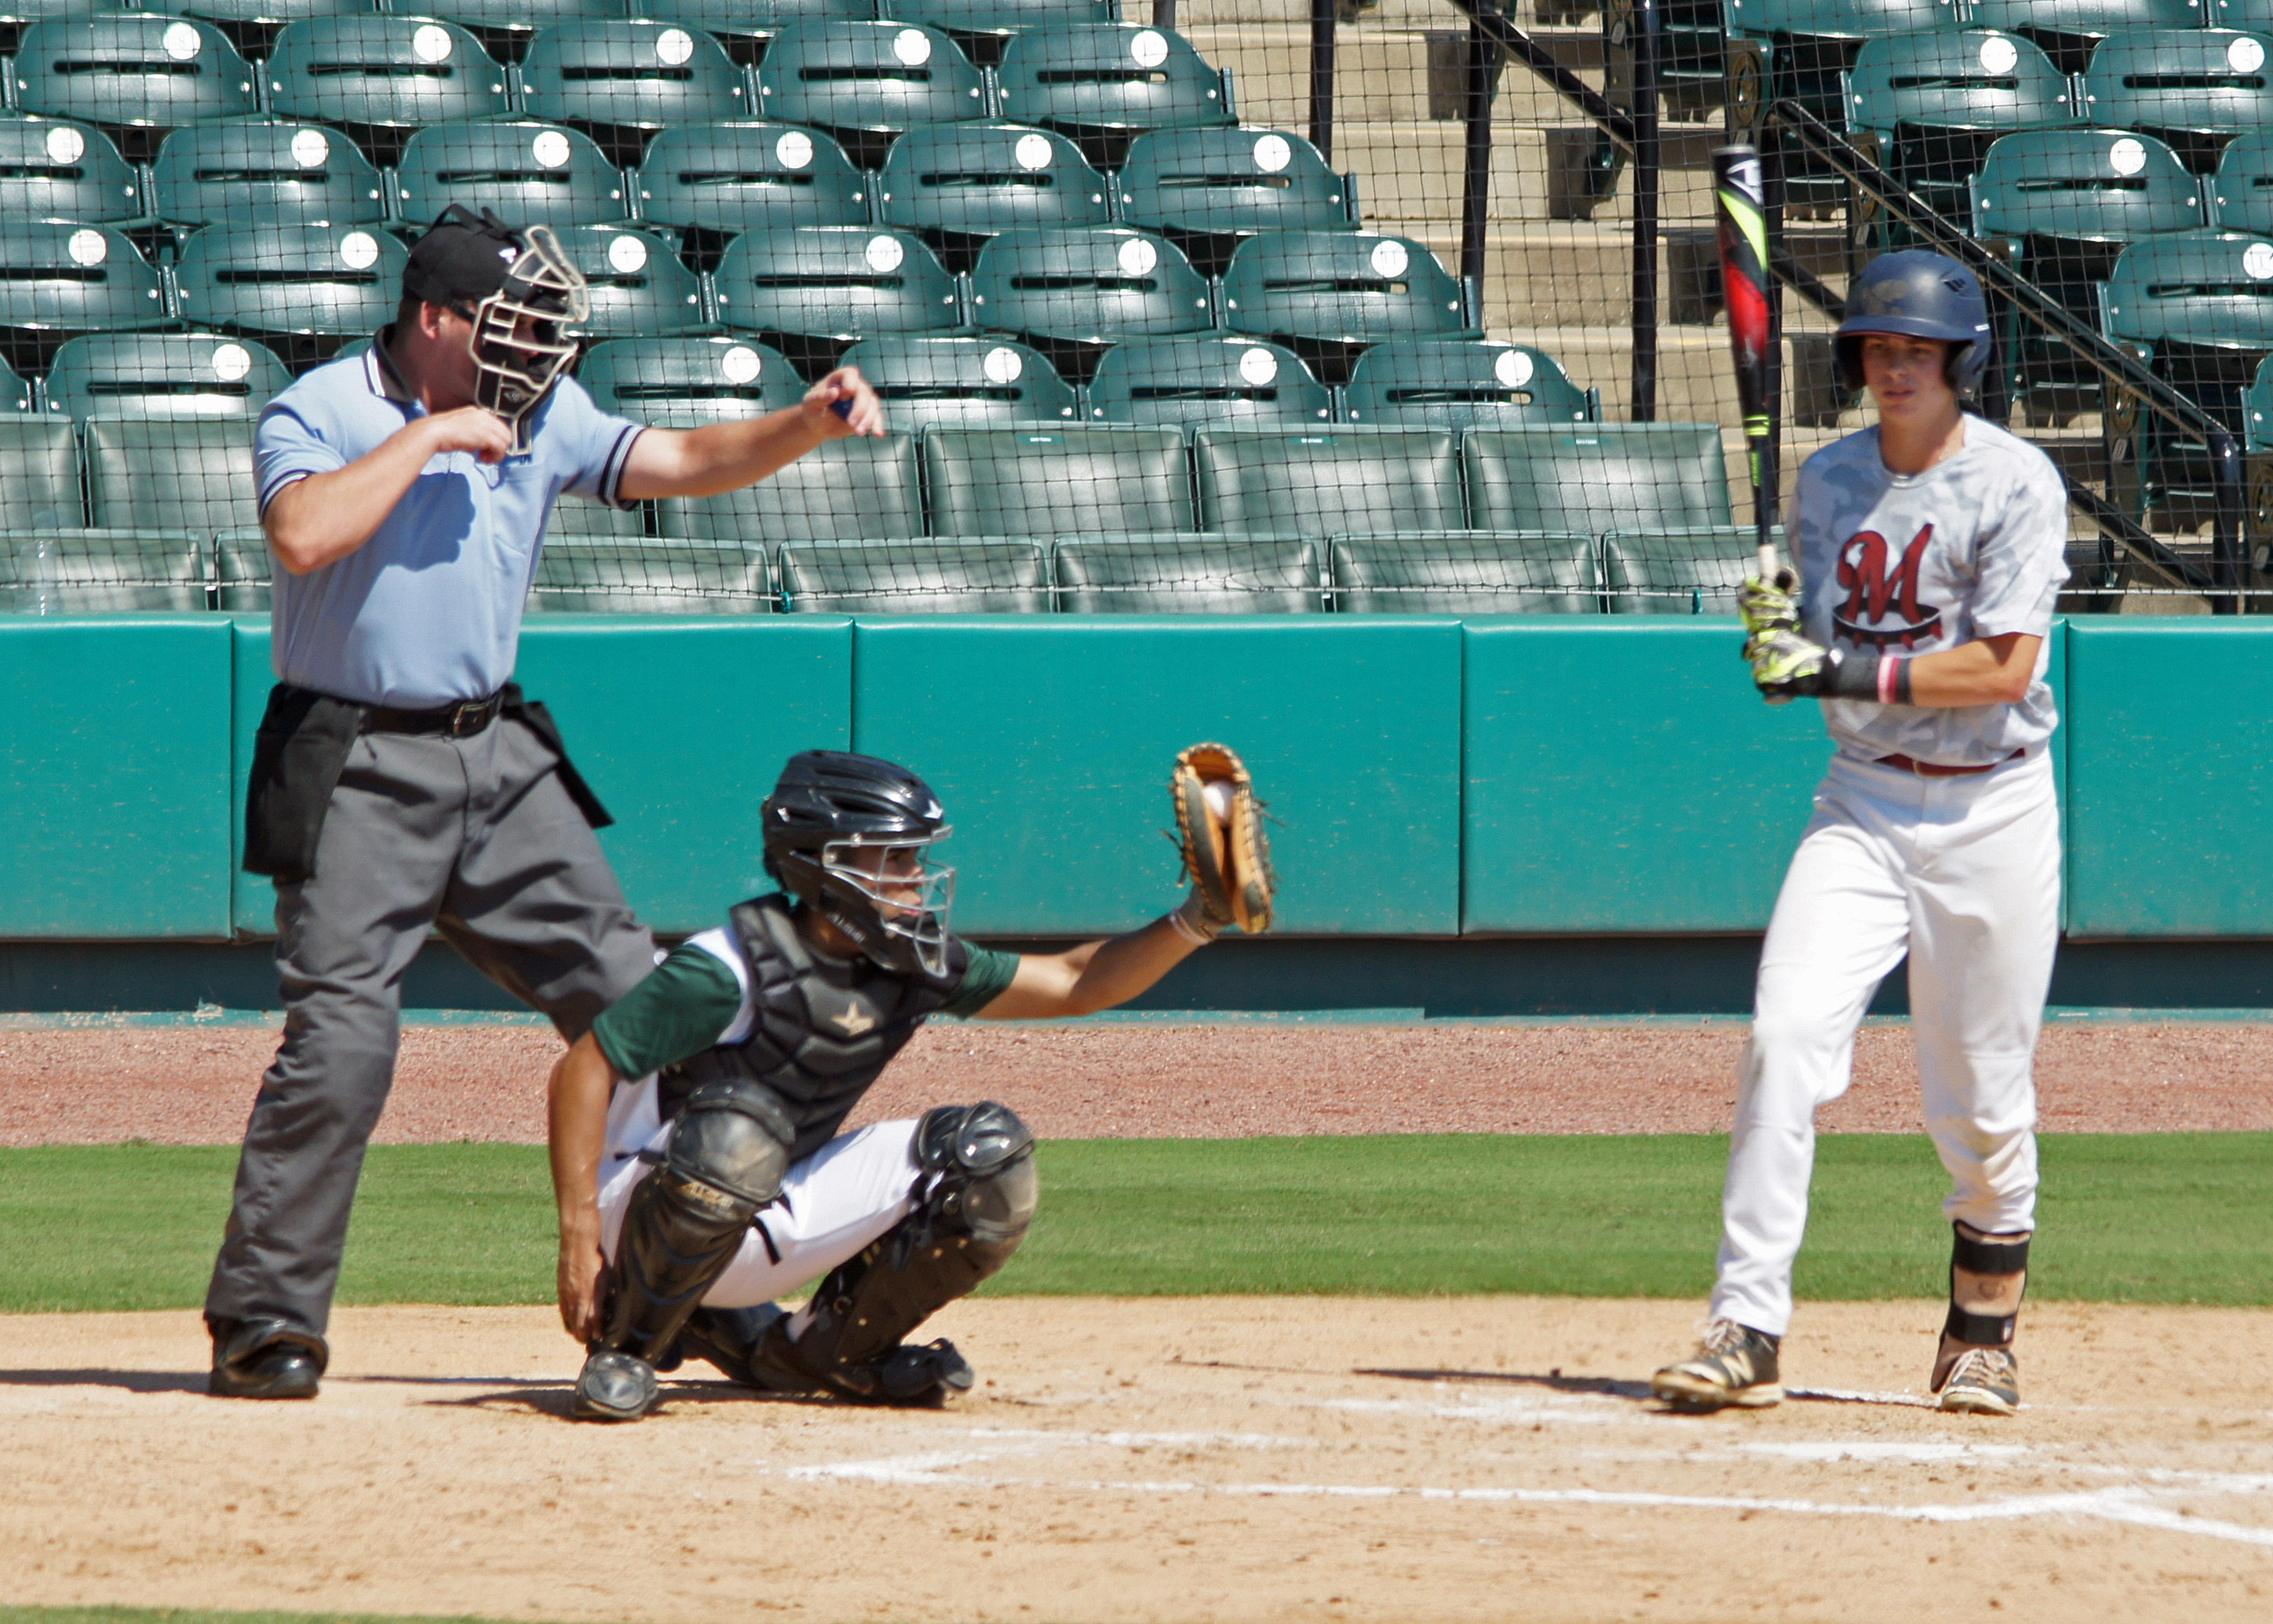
<point x="1874" y="593"/>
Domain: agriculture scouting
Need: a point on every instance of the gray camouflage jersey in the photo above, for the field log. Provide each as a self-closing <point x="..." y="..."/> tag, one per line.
<point x="1906" y="564"/>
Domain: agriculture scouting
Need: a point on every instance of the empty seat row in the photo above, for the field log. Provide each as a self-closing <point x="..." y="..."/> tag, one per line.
<point x="729" y="177"/>
<point x="826" y="285"/>
<point x="1691" y="571"/>
<point x="194" y="476"/>
<point x="870" y="81"/>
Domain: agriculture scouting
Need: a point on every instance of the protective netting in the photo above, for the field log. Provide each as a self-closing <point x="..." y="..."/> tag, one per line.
<point x="1217" y="305"/>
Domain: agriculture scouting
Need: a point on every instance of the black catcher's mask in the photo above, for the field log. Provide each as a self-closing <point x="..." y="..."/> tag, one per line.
<point x="522" y="295"/>
<point x="848" y="835"/>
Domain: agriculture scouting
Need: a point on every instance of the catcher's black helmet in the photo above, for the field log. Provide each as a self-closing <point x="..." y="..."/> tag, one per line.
<point x="846" y="834"/>
<point x="1920" y="295"/>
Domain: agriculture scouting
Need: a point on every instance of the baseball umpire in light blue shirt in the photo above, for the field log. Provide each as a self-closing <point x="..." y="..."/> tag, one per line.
<point x="401" y="782"/>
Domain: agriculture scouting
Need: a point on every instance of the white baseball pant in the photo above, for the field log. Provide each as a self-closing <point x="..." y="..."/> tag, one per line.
<point x="1963" y="873"/>
<point x="834" y="1202"/>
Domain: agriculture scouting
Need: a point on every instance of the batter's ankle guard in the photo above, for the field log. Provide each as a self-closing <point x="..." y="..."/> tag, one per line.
<point x="1983" y="1257"/>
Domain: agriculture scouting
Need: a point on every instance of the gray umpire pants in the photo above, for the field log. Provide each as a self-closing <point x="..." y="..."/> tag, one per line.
<point x="474" y="838"/>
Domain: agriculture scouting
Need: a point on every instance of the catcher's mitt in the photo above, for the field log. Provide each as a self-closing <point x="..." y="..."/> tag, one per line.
<point x="1220" y="830"/>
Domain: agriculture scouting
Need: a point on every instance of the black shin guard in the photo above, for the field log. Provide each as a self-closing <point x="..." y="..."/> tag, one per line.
<point x="977" y="1194"/>
<point x="1983" y="1257"/>
<point x="727" y="1157"/>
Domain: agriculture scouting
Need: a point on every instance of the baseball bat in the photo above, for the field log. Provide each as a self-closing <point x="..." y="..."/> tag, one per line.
<point x="1741" y="211"/>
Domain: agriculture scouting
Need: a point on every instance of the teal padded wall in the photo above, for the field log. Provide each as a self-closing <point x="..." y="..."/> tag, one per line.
<point x="2170" y="766"/>
<point x="114" y="776"/>
<point x="1050" y="738"/>
<point x="679" y="724"/>
<point x="1624" y="776"/>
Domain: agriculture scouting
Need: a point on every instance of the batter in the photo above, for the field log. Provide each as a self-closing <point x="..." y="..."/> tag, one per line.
<point x="1930" y="549"/>
<point x="695" y="1154"/>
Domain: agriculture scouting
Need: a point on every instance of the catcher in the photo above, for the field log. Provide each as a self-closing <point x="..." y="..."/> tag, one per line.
<point x="695" y="1155"/>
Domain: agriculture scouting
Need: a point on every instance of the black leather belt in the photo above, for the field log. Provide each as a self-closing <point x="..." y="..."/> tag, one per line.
<point x="462" y="720"/>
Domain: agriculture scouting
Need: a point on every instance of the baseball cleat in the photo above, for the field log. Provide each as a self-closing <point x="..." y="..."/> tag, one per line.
<point x="1985" y="1382"/>
<point x="266" y="1358"/>
<point x="1734" y="1367"/>
<point x="614" y="1385"/>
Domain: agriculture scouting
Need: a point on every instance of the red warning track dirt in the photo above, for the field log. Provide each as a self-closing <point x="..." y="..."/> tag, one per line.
<point x="194" y="1086"/>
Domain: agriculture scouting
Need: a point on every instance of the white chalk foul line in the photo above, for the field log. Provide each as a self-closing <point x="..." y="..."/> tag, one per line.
<point x="935" y="1468"/>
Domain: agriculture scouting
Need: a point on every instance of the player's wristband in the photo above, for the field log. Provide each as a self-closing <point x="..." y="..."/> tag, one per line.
<point x="1193" y="925"/>
<point x="1883" y="679"/>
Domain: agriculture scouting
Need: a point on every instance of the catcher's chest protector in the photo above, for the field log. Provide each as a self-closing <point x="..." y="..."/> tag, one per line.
<point x="821" y="1031"/>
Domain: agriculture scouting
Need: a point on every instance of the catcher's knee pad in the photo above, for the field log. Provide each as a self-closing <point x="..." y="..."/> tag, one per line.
<point x="726" y="1159"/>
<point x="976" y="1193"/>
<point x="1980" y="1255"/>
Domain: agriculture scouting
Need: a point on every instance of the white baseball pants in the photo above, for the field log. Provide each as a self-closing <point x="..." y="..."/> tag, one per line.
<point x="1964" y="873"/>
<point x="834" y="1203"/>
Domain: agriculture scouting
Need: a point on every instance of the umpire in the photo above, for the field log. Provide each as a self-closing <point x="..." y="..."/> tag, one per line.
<point x="400" y="782"/>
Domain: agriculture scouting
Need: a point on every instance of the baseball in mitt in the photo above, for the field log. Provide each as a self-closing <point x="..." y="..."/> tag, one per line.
<point x="1219" y="830"/>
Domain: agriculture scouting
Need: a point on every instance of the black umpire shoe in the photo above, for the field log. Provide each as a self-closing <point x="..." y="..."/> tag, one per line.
<point x="266" y="1358"/>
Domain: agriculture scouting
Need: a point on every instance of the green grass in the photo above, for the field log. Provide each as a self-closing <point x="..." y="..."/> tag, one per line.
<point x="2161" y="1218"/>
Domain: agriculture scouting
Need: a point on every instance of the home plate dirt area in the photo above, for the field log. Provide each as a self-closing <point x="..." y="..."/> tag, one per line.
<point x="1167" y="1459"/>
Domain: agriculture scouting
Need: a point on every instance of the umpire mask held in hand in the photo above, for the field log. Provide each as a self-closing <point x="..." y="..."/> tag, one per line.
<point x="520" y="340"/>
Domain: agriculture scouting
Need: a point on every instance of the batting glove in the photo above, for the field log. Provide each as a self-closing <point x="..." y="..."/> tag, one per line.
<point x="1766" y="606"/>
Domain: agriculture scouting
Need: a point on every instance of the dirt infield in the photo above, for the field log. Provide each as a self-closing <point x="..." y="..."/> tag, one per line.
<point x="191" y="1085"/>
<point x="1172" y="1459"/>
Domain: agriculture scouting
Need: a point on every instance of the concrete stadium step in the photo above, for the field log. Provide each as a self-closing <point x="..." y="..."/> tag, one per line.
<point x="1377" y="74"/>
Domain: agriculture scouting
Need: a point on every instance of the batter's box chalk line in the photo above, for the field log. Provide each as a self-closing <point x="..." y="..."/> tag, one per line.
<point x="2136" y="1504"/>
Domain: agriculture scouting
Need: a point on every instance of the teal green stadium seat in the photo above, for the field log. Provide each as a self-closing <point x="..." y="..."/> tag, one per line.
<point x="866" y="82"/>
<point x="253" y="26"/>
<point x="257" y="171"/>
<point x="2242" y="190"/>
<point x="529" y="171"/>
<point x="709" y="379"/>
<point x="1074" y="293"/>
<point x="626" y="79"/>
<point x="191" y="473"/>
<point x="380" y="77"/>
<point x="1232" y="182"/>
<point x="747" y="27"/>
<point x="101" y="572"/>
<point x="979" y="180"/>
<point x="2208" y="288"/>
<point x="317" y="284"/>
<point x="929" y="383"/>
<point x="18" y="15"/>
<point x="1329" y="481"/>
<point x="57" y="278"/>
<point x="1327" y="294"/>
<point x="1105" y="84"/>
<point x="1086" y="288"/>
<point x="637" y="285"/>
<point x="505" y="27"/>
<point x="244" y="570"/>
<point x="749" y="177"/>
<point x="812" y="291"/>
<point x="1002" y="19"/>
<point x="163" y="375"/>
<point x="1595" y="477"/>
<point x="1694" y="570"/>
<point x="2260" y="407"/>
<point x="131" y="71"/>
<point x="1205" y="379"/>
<point x="598" y="577"/>
<point x="848" y="490"/>
<point x="15" y="392"/>
<point x="2070" y="29"/>
<point x="39" y="473"/>
<point x="1466" y="572"/>
<point x="2061" y="205"/>
<point x="1196" y="574"/>
<point x="1414" y="383"/>
<point x="53" y="170"/>
<point x="2195" y="88"/>
<point x="917" y="577"/>
<point x="1937" y="101"/>
<point x="1054" y="482"/>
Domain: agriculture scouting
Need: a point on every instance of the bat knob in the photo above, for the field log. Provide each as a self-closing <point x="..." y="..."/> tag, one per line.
<point x="843" y="408"/>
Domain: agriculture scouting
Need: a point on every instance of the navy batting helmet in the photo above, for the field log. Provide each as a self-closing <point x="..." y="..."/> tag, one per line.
<point x="1920" y="295"/>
